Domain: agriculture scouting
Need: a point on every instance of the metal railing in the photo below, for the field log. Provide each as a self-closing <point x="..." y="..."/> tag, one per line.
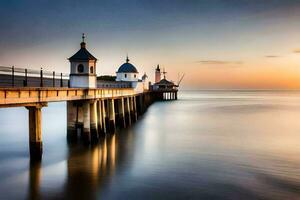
<point x="113" y="84"/>
<point x="21" y="77"/>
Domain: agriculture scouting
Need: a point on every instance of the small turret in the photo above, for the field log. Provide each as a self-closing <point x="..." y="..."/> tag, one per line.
<point x="83" y="68"/>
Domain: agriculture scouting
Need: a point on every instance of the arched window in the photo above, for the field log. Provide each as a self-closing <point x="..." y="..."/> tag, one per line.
<point x="135" y="76"/>
<point x="92" y="70"/>
<point x="80" y="68"/>
<point x="125" y="75"/>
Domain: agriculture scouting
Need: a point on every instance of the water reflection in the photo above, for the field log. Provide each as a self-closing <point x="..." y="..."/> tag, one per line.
<point x="88" y="169"/>
<point x="203" y="146"/>
<point x="35" y="171"/>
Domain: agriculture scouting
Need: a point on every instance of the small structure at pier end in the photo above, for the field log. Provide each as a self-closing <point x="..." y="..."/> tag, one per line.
<point x="167" y="90"/>
<point x="94" y="107"/>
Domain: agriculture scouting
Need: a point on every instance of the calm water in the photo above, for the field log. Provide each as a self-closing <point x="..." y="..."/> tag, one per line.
<point x="207" y="145"/>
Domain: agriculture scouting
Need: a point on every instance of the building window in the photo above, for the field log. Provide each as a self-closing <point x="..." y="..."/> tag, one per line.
<point x="125" y="75"/>
<point x="80" y="68"/>
<point x="92" y="70"/>
<point x="135" y="76"/>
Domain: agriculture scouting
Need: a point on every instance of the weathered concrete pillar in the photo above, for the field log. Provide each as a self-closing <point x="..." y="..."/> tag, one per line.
<point x="93" y="122"/>
<point x="35" y="132"/>
<point x="127" y="112"/>
<point x="100" y="118"/>
<point x="134" y="108"/>
<point x="104" y="116"/>
<point x="121" y="112"/>
<point x="86" y="134"/>
<point x="79" y="122"/>
<point x="141" y="104"/>
<point x="131" y="106"/>
<point x="111" y="109"/>
<point x="72" y="114"/>
<point x="138" y="105"/>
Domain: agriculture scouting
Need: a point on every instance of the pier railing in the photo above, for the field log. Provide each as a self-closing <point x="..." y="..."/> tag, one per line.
<point x="22" y="77"/>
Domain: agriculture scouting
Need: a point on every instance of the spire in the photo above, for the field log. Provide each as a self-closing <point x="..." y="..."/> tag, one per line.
<point x="157" y="68"/>
<point x="82" y="44"/>
<point x="83" y="37"/>
<point x="127" y="59"/>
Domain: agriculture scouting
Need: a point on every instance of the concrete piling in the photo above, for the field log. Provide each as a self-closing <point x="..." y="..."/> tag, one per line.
<point x="100" y="118"/>
<point x="86" y="134"/>
<point x="72" y="114"/>
<point x="111" y="110"/>
<point x="94" y="122"/>
<point x="127" y="112"/>
<point x="121" y="113"/>
<point x="35" y="132"/>
<point x="135" y="108"/>
<point x="104" y="116"/>
<point x="132" y="115"/>
<point x="95" y="118"/>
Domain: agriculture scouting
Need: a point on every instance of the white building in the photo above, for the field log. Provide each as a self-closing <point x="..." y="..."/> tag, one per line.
<point x="128" y="73"/>
<point x="83" y="68"/>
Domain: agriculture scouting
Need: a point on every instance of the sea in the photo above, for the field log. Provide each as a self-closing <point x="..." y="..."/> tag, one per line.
<point x="213" y="144"/>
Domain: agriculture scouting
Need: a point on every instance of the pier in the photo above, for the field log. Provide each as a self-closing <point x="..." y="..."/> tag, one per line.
<point x="91" y="113"/>
<point x="94" y="108"/>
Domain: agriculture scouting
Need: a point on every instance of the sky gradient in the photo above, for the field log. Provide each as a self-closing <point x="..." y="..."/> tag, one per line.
<point x="229" y="44"/>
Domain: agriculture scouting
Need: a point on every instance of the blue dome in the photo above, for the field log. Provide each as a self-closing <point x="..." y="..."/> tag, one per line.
<point x="127" y="68"/>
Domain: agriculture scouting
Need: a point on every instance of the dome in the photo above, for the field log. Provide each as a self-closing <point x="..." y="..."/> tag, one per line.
<point x="127" y="68"/>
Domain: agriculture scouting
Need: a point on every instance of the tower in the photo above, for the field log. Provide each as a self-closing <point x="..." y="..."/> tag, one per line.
<point x="83" y="68"/>
<point x="157" y="74"/>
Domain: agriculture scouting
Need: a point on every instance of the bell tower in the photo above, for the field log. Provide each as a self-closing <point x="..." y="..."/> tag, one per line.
<point x="83" y="68"/>
<point x="157" y="74"/>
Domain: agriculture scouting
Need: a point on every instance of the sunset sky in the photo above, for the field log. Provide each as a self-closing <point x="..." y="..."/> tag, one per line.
<point x="217" y="44"/>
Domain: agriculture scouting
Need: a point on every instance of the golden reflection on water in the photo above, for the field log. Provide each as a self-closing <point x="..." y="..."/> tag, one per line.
<point x="87" y="169"/>
<point x="35" y="174"/>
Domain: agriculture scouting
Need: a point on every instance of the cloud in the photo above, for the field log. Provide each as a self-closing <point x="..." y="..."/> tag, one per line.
<point x="296" y="51"/>
<point x="272" y="56"/>
<point x="219" y="62"/>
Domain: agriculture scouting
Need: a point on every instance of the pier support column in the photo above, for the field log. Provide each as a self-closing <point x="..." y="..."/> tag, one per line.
<point x="140" y="104"/>
<point x="132" y="115"/>
<point x="100" y="118"/>
<point x="135" y="108"/>
<point x="111" y="109"/>
<point x="86" y="134"/>
<point x="121" y="111"/>
<point x="72" y="114"/>
<point x="127" y="112"/>
<point x="93" y="122"/>
<point x="35" y="132"/>
<point x="104" y="116"/>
